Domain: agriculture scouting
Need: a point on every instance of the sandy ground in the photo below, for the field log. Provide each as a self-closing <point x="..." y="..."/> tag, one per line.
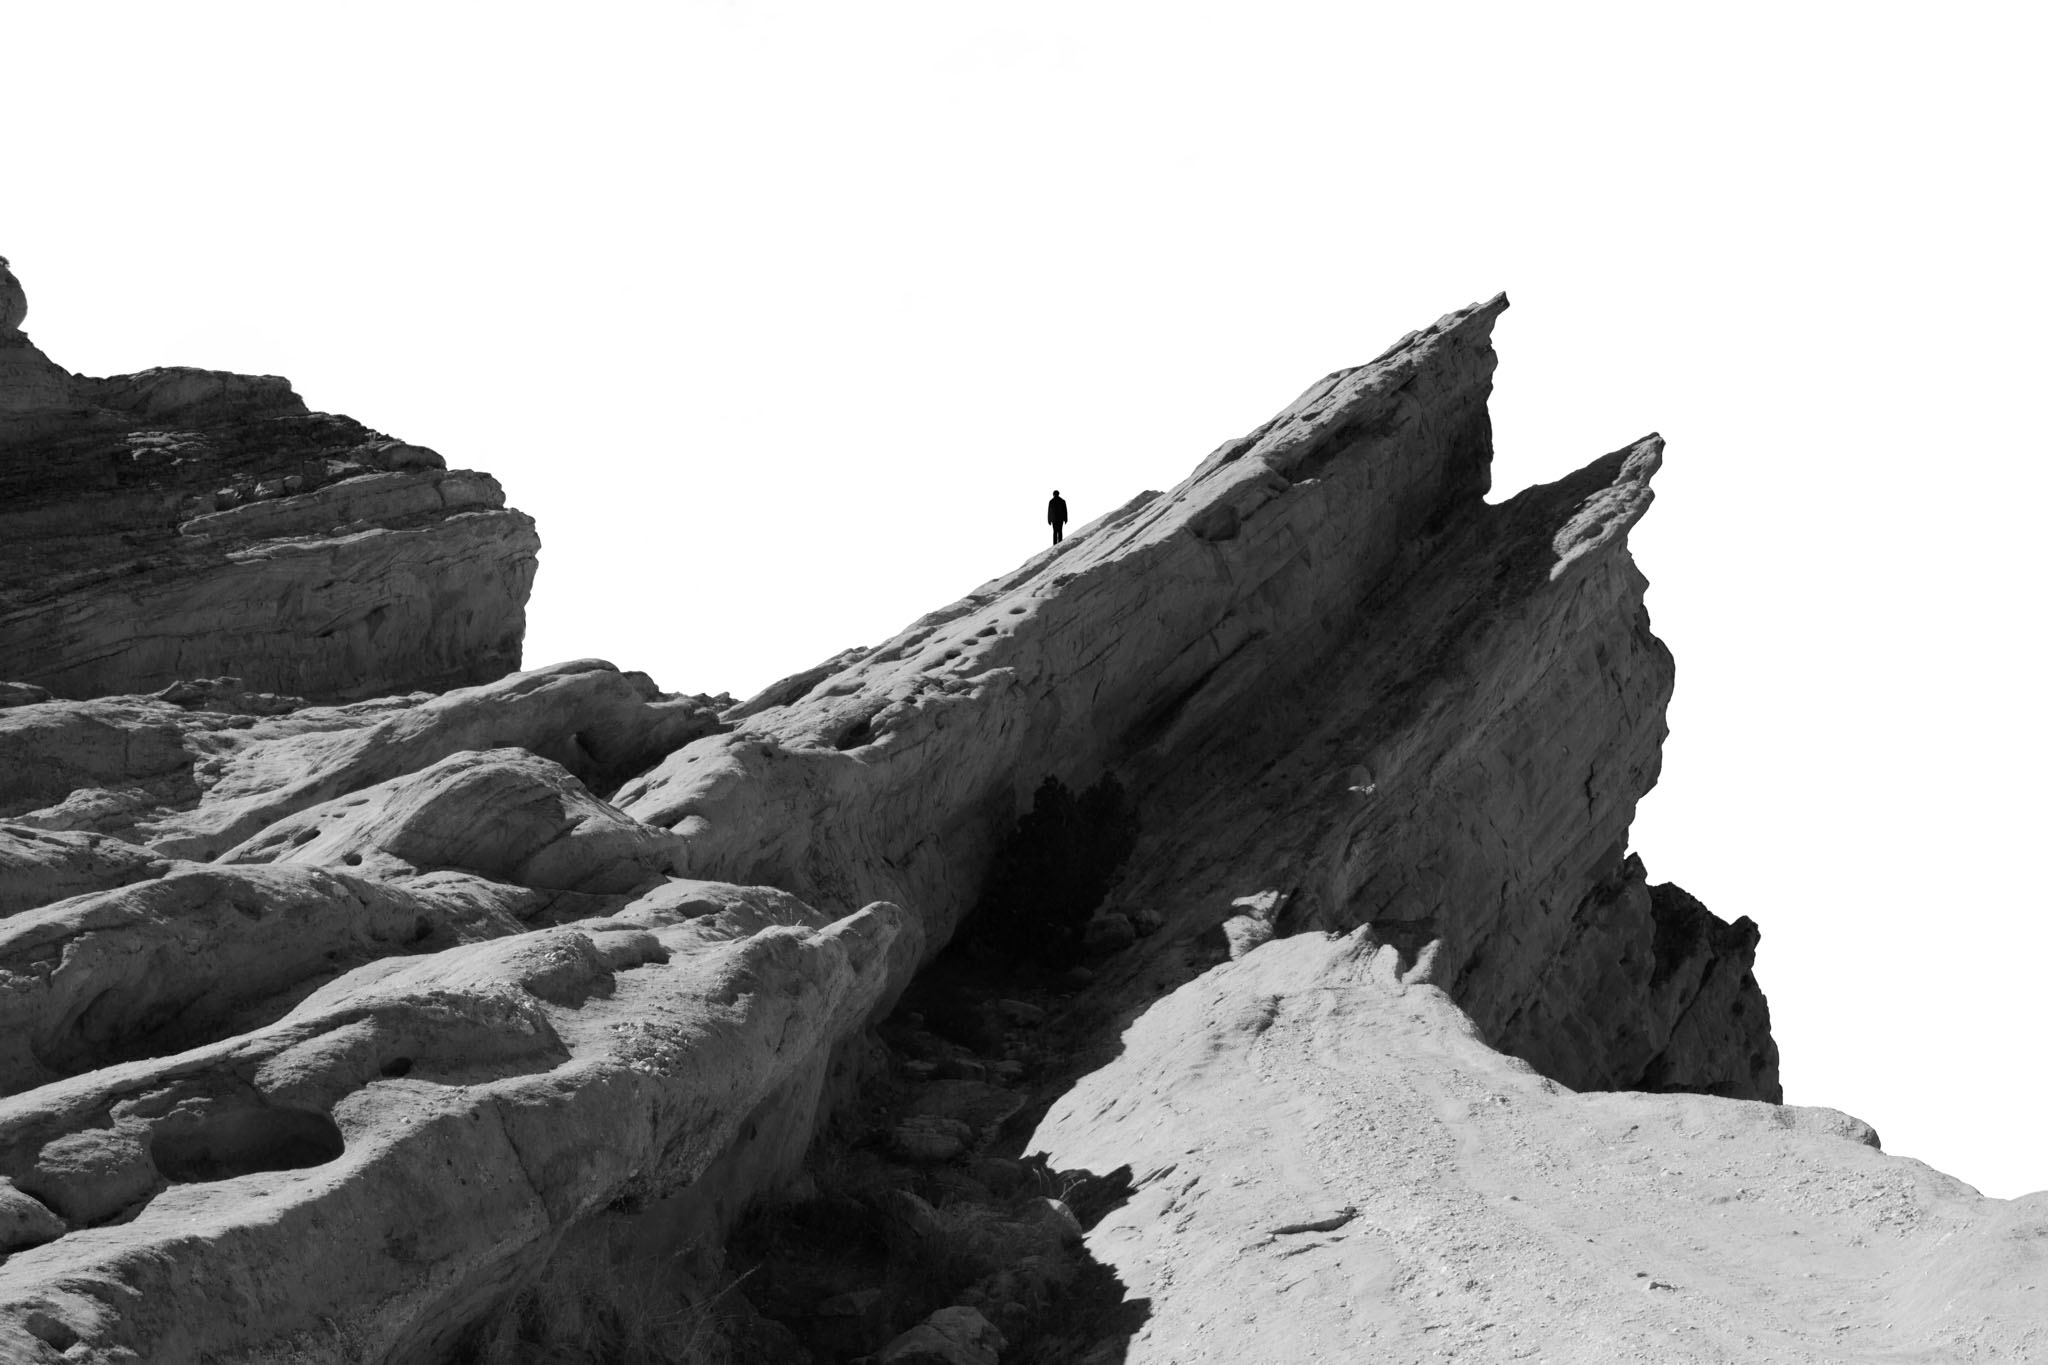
<point x="1332" y="1167"/>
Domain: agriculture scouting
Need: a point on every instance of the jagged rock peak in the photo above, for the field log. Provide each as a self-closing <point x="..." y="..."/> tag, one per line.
<point x="179" y="524"/>
<point x="326" y="1032"/>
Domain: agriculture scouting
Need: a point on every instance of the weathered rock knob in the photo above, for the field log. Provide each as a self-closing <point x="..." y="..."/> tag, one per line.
<point x="13" y="302"/>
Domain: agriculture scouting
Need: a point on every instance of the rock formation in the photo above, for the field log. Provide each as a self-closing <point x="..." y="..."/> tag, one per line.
<point x="338" y="1032"/>
<point x="1330" y="1165"/>
<point x="181" y="524"/>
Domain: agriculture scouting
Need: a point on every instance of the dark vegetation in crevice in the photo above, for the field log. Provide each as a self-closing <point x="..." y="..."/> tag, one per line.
<point x="1050" y="874"/>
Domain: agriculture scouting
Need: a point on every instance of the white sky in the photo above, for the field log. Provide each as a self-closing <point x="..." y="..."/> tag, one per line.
<point x="785" y="318"/>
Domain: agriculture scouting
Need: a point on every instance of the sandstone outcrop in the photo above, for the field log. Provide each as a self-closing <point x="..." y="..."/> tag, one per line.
<point x="331" y="1026"/>
<point x="1330" y="671"/>
<point x="363" y="1177"/>
<point x="1331" y="1165"/>
<point x="180" y="523"/>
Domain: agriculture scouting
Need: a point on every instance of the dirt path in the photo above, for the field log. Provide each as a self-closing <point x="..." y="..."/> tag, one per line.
<point x="1333" y="1167"/>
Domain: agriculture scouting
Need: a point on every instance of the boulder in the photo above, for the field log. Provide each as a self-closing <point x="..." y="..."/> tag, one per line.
<point x="1110" y="933"/>
<point x="90" y="1176"/>
<point x="25" y="1221"/>
<point x="599" y="723"/>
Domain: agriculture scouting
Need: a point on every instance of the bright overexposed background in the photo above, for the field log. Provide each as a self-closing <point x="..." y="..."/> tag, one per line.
<point x="785" y="318"/>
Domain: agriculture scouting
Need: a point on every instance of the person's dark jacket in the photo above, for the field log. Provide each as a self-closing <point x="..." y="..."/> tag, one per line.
<point x="1056" y="512"/>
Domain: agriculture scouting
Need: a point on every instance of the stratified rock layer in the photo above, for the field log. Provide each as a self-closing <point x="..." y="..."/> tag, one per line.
<point x="1334" y="676"/>
<point x="180" y="524"/>
<point x="328" y="1027"/>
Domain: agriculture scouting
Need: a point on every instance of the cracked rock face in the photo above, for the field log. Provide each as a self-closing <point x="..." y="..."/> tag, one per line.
<point x="181" y="523"/>
<point x="332" y="1009"/>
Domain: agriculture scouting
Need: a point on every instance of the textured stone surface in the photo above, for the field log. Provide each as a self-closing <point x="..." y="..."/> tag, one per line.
<point x="153" y="967"/>
<point x="210" y="779"/>
<point x="25" y="1221"/>
<point x="1470" y="797"/>
<point x="1328" y="670"/>
<point x="327" y="1029"/>
<point x="1331" y="1165"/>
<point x="506" y="814"/>
<point x="362" y="1178"/>
<point x="38" y="866"/>
<point x="951" y="1336"/>
<point x="183" y="523"/>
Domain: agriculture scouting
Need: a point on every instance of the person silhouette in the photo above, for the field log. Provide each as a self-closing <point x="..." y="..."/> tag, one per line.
<point x="1056" y="513"/>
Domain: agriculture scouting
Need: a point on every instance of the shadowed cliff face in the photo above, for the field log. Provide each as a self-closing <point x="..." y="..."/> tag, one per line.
<point x="270" y="972"/>
<point x="180" y="524"/>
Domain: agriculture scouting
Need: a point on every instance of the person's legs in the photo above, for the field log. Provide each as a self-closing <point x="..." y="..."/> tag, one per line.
<point x="1056" y="532"/>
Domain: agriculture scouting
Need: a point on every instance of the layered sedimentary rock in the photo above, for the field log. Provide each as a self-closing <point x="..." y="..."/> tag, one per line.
<point x="180" y="524"/>
<point x="328" y="1028"/>
<point x="1334" y="676"/>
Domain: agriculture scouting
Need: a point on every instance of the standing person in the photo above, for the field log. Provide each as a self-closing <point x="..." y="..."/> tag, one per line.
<point x="1056" y="513"/>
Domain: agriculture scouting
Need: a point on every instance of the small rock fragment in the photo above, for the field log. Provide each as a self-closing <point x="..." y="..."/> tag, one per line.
<point x="24" y="1220"/>
<point x="1108" y="934"/>
<point x="90" y="1175"/>
<point x="951" y="1336"/>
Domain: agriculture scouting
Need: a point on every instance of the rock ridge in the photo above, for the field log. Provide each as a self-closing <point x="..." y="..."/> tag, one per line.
<point x="332" y="1024"/>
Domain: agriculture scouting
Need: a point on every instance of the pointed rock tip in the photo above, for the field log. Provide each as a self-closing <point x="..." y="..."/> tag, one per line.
<point x="1478" y="316"/>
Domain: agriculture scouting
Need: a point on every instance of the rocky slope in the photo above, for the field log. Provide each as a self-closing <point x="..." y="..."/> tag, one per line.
<point x="1331" y="1166"/>
<point x="180" y="524"/>
<point x="1336" y="679"/>
<point x="437" y="1027"/>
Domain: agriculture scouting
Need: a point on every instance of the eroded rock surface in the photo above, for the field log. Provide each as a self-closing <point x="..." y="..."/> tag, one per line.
<point x="184" y="523"/>
<point x="1332" y="1165"/>
<point x="1331" y="673"/>
<point x="335" y="1017"/>
<point x="401" y="1149"/>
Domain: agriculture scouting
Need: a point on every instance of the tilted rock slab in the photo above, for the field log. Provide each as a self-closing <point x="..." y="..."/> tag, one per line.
<point x="1469" y="794"/>
<point x="363" y="1178"/>
<point x="1330" y="1165"/>
<point x="1331" y="673"/>
<point x="899" y="769"/>
<point x="187" y="523"/>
